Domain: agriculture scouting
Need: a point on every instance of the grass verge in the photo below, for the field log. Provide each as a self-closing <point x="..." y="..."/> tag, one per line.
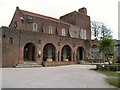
<point x="113" y="82"/>
<point x="109" y="73"/>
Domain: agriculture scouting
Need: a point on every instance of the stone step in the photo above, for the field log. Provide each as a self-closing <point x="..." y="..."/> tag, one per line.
<point x="28" y="65"/>
<point x="84" y="62"/>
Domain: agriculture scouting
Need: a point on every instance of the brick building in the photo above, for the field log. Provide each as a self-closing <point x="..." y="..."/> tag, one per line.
<point x="44" y="40"/>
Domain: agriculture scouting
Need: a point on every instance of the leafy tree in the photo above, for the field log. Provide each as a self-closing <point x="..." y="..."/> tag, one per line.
<point x="106" y="46"/>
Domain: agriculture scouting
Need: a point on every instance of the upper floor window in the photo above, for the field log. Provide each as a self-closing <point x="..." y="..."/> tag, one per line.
<point x="63" y="32"/>
<point x="10" y="40"/>
<point x="15" y="24"/>
<point x="34" y="27"/>
<point x="83" y="34"/>
<point x="50" y="30"/>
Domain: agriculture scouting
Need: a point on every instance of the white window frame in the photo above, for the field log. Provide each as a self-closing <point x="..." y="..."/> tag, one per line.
<point x="34" y="27"/>
<point x="50" y="30"/>
<point x="63" y="31"/>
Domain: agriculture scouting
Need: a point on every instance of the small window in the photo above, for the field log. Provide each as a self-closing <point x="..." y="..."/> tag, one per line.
<point x="15" y="24"/>
<point x="63" y="32"/>
<point x="83" y="34"/>
<point x="50" y="30"/>
<point x="10" y="40"/>
<point x="4" y="36"/>
<point x="34" y="27"/>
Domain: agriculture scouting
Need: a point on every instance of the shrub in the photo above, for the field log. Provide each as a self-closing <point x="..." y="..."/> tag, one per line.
<point x="113" y="60"/>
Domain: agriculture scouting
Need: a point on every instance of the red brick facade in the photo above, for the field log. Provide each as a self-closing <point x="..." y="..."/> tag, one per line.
<point x="46" y="40"/>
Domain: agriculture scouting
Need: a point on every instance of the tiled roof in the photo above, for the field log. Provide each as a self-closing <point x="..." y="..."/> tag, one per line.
<point x="41" y="16"/>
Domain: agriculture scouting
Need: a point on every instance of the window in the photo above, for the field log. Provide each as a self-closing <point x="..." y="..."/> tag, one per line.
<point x="63" y="32"/>
<point x="84" y="34"/>
<point x="34" y="27"/>
<point x="50" y="30"/>
<point x="15" y="24"/>
<point x="10" y="40"/>
<point x="81" y="33"/>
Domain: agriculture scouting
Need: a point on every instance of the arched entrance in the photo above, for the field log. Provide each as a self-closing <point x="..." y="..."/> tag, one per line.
<point x="49" y="52"/>
<point x="80" y="54"/>
<point x="29" y="52"/>
<point x="66" y="53"/>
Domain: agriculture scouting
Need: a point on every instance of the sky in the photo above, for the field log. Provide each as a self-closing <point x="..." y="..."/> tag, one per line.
<point x="105" y="11"/>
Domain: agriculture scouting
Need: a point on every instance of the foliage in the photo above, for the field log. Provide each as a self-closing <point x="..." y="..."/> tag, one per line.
<point x="87" y="43"/>
<point x="106" y="46"/>
<point x="113" y="60"/>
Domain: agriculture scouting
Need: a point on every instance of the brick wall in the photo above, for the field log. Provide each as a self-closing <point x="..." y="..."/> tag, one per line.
<point x="10" y="52"/>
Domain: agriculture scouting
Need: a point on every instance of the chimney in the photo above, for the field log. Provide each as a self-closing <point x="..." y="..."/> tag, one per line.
<point x="83" y="10"/>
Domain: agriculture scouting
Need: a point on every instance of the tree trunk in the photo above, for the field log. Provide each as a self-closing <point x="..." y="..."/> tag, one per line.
<point x="108" y="59"/>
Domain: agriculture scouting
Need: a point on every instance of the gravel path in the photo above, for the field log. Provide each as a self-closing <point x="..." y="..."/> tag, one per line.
<point x="70" y="76"/>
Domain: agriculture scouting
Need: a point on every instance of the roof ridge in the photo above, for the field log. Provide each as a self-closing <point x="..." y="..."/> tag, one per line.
<point x="40" y="15"/>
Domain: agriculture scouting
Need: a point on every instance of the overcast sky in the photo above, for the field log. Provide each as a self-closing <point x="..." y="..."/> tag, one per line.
<point x="105" y="11"/>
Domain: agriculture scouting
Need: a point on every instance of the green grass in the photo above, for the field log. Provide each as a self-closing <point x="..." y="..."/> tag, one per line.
<point x="109" y="73"/>
<point x="113" y="82"/>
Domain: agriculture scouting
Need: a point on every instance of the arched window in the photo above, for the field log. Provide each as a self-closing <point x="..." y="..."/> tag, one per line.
<point x="63" y="32"/>
<point x="50" y="30"/>
<point x="34" y="27"/>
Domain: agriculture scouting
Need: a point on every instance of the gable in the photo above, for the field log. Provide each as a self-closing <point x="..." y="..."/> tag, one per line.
<point x="16" y="19"/>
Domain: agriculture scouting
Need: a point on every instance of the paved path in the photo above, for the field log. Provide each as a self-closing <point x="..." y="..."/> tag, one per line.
<point x="70" y="76"/>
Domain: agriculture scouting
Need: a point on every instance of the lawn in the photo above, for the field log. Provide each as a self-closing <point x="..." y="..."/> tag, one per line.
<point x="112" y="81"/>
<point x="109" y="73"/>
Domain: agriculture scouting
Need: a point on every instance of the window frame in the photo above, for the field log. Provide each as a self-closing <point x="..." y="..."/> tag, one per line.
<point x="63" y="32"/>
<point x="50" y="30"/>
<point x="35" y="27"/>
<point x="11" y="40"/>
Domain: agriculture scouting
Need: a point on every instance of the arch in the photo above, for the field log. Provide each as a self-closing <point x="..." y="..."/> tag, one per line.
<point x="49" y="52"/>
<point x="80" y="53"/>
<point x="66" y="53"/>
<point x="29" y="52"/>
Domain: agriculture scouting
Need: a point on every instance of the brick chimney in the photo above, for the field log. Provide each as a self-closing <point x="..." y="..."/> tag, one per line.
<point x="83" y="10"/>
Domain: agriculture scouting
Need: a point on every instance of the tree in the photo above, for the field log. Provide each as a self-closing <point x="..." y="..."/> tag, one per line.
<point x="105" y="32"/>
<point x="106" y="46"/>
<point x="99" y="30"/>
<point x="96" y="26"/>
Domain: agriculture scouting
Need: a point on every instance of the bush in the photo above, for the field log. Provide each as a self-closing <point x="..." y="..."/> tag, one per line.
<point x="113" y="60"/>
